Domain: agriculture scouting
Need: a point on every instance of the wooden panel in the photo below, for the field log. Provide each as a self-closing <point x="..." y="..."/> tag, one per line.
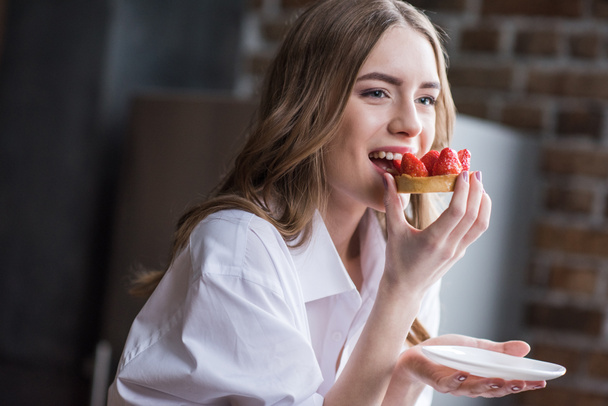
<point x="178" y="148"/>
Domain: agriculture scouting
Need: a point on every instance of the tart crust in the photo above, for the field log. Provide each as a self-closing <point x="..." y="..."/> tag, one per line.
<point x="430" y="184"/>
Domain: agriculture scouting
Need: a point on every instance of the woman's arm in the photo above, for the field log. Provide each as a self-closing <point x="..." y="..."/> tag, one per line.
<point x="415" y="259"/>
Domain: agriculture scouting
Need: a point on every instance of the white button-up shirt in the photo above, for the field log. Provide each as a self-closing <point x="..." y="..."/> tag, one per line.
<point x="241" y="318"/>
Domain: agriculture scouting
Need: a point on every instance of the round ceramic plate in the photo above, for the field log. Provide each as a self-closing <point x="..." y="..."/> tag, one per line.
<point x="491" y="364"/>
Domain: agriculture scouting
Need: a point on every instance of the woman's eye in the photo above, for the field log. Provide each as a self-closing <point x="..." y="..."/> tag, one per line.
<point x="377" y="94"/>
<point x="427" y="101"/>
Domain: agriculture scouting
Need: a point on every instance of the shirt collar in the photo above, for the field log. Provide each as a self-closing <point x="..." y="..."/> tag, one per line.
<point x="320" y="268"/>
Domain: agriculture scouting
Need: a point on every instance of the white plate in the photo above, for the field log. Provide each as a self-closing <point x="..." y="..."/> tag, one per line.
<point x="491" y="364"/>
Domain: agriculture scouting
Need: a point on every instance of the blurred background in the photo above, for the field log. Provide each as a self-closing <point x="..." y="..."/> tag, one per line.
<point x="116" y="114"/>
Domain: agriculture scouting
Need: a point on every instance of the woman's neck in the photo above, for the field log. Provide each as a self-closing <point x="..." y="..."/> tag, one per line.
<point x="343" y="227"/>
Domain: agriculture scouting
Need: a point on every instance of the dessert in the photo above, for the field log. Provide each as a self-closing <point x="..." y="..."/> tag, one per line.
<point x="435" y="172"/>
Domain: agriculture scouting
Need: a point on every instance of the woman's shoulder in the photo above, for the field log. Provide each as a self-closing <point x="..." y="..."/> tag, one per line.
<point x="232" y="225"/>
<point x="237" y="238"/>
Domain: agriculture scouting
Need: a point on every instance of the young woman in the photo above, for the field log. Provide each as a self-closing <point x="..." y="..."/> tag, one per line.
<point x="302" y="281"/>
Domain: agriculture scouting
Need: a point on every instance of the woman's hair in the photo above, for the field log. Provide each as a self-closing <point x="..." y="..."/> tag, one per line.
<point x="279" y="173"/>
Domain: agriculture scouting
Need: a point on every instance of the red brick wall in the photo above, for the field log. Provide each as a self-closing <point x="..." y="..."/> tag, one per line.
<point x="540" y="66"/>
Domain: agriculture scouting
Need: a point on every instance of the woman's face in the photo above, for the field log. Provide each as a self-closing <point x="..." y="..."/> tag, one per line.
<point x="390" y="110"/>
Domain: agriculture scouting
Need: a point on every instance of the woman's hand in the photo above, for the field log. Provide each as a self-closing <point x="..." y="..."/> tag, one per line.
<point x="419" y="258"/>
<point x="414" y="369"/>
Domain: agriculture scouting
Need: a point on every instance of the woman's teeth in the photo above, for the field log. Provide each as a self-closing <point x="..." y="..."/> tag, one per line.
<point x="386" y="160"/>
<point x="386" y="155"/>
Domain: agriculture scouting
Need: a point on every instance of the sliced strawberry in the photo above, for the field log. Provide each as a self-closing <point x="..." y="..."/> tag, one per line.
<point x="429" y="160"/>
<point x="447" y="163"/>
<point x="464" y="156"/>
<point x="411" y="165"/>
<point x="397" y="164"/>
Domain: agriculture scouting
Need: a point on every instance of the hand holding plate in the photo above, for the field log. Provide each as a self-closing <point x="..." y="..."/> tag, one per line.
<point x="414" y="365"/>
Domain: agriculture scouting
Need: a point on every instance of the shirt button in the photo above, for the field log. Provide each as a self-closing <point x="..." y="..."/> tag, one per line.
<point x="336" y="336"/>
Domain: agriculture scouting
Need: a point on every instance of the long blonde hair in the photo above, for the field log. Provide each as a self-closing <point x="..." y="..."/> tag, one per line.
<point x="306" y="88"/>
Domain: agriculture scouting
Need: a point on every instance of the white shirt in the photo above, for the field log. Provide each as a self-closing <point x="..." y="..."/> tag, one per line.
<point x="242" y="319"/>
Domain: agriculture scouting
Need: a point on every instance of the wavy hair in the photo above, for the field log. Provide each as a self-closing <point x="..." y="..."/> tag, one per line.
<point x="279" y="174"/>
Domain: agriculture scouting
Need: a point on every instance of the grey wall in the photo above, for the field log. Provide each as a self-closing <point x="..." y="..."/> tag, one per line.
<point x="67" y="73"/>
<point x="483" y="294"/>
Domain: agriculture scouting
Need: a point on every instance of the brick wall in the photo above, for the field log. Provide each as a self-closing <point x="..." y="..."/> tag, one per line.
<point x="540" y="66"/>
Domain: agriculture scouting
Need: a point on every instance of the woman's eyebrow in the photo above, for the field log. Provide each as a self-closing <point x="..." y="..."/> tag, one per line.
<point x="395" y="81"/>
<point x="430" y="85"/>
<point x="381" y="76"/>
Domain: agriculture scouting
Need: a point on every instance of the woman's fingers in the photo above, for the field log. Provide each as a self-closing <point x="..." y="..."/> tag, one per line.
<point x="516" y="348"/>
<point x="395" y="215"/>
<point x="449" y="381"/>
<point x="466" y="218"/>
<point x="473" y="207"/>
<point x="469" y="209"/>
<point x="476" y="386"/>
<point x="481" y="223"/>
<point x="452" y="216"/>
<point x="459" y="383"/>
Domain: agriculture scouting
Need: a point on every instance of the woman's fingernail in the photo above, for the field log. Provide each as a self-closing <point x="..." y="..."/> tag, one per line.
<point x="461" y="378"/>
<point x="494" y="386"/>
<point x="515" y="388"/>
<point x="465" y="176"/>
<point x="478" y="175"/>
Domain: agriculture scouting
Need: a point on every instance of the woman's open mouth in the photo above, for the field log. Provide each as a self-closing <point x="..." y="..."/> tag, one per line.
<point x="387" y="161"/>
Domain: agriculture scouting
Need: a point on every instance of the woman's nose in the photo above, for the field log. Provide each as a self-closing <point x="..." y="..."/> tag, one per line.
<point x="405" y="121"/>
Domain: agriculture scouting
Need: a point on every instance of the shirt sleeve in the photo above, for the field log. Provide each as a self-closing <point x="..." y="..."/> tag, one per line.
<point x="240" y="337"/>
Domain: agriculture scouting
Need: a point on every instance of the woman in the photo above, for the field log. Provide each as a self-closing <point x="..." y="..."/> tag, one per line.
<point x="284" y="288"/>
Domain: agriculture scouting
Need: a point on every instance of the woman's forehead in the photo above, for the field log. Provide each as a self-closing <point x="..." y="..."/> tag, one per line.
<point x="402" y="52"/>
